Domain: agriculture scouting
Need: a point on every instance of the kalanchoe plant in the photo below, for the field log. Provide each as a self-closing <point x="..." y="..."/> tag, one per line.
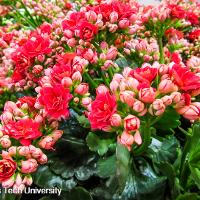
<point x="100" y="99"/>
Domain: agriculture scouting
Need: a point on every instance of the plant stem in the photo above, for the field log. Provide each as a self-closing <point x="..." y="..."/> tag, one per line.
<point x="146" y="140"/>
<point x="110" y="73"/>
<point x="160" y="42"/>
<point x="89" y="79"/>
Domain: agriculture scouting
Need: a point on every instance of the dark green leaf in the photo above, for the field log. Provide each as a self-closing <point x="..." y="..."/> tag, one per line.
<point x="106" y="167"/>
<point x="170" y="119"/>
<point x="188" y="196"/>
<point x="97" y="144"/>
<point x="123" y="165"/>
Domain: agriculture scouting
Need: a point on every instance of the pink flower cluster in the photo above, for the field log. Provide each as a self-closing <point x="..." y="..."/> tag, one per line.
<point x="61" y="64"/>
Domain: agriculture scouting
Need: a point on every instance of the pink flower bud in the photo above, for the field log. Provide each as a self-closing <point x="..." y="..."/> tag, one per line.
<point x="18" y="180"/>
<point x="38" y="119"/>
<point x="57" y="134"/>
<point x="126" y="139"/>
<point x="86" y="101"/>
<point x="116" y="120"/>
<point x="102" y="89"/>
<point x="71" y="42"/>
<point x="12" y="151"/>
<point x="28" y="180"/>
<point x="46" y="143"/>
<point x="88" y="55"/>
<point x="82" y="89"/>
<point x="41" y="58"/>
<point x="132" y="83"/>
<point x="8" y="183"/>
<point x="111" y="53"/>
<point x="18" y="189"/>
<point x="167" y="100"/>
<point x="191" y="112"/>
<point x="43" y="159"/>
<point x="126" y="72"/>
<point x="23" y="150"/>
<point x="118" y="77"/>
<point x="29" y="166"/>
<point x="36" y="153"/>
<point x="68" y="33"/>
<point x="113" y="28"/>
<point x="10" y="106"/>
<point x="37" y="69"/>
<point x="114" y="85"/>
<point x="6" y="117"/>
<point x="66" y="82"/>
<point x="164" y="69"/>
<point x="124" y="23"/>
<point x="157" y="108"/>
<point x="77" y="76"/>
<point x="176" y="97"/>
<point x="91" y="16"/>
<point x="5" y="141"/>
<point x="127" y="97"/>
<point x="167" y="86"/>
<point x="131" y="123"/>
<point x="137" y="138"/>
<point x="147" y="95"/>
<point x="113" y="17"/>
<point x="138" y="106"/>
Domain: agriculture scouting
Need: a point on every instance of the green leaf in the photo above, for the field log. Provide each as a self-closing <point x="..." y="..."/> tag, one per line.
<point x="188" y="196"/>
<point x="123" y="165"/>
<point x="163" y="149"/>
<point x="143" y="184"/>
<point x="97" y="144"/>
<point x="106" y="167"/>
<point x="169" y="120"/>
<point x="45" y="178"/>
<point x="83" y="121"/>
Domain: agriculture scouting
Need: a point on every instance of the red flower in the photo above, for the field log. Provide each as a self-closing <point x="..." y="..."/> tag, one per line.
<point x="145" y="75"/>
<point x="103" y="107"/>
<point x="72" y="22"/>
<point x="24" y="130"/>
<point x="7" y="169"/>
<point x="185" y="79"/>
<point x="36" y="46"/>
<point x="55" y="101"/>
<point x="29" y="100"/>
<point x="59" y="72"/>
<point x="171" y="32"/>
<point x="194" y="34"/>
<point x="22" y="63"/>
<point x="66" y="58"/>
<point x="87" y="31"/>
<point x="177" y="11"/>
<point x="193" y="18"/>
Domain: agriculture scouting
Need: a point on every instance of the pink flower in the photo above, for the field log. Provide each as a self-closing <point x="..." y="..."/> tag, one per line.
<point x="185" y="79"/>
<point x="127" y="97"/>
<point x="116" y="120"/>
<point x="157" y="108"/>
<point x="8" y="183"/>
<point x="126" y="139"/>
<point x="167" y="86"/>
<point x="131" y="123"/>
<point x="82" y="89"/>
<point x="147" y="95"/>
<point x="47" y="142"/>
<point x="24" y="130"/>
<point x="55" y="101"/>
<point x="29" y="166"/>
<point x="102" y="108"/>
<point x="5" y="141"/>
<point x="191" y="112"/>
